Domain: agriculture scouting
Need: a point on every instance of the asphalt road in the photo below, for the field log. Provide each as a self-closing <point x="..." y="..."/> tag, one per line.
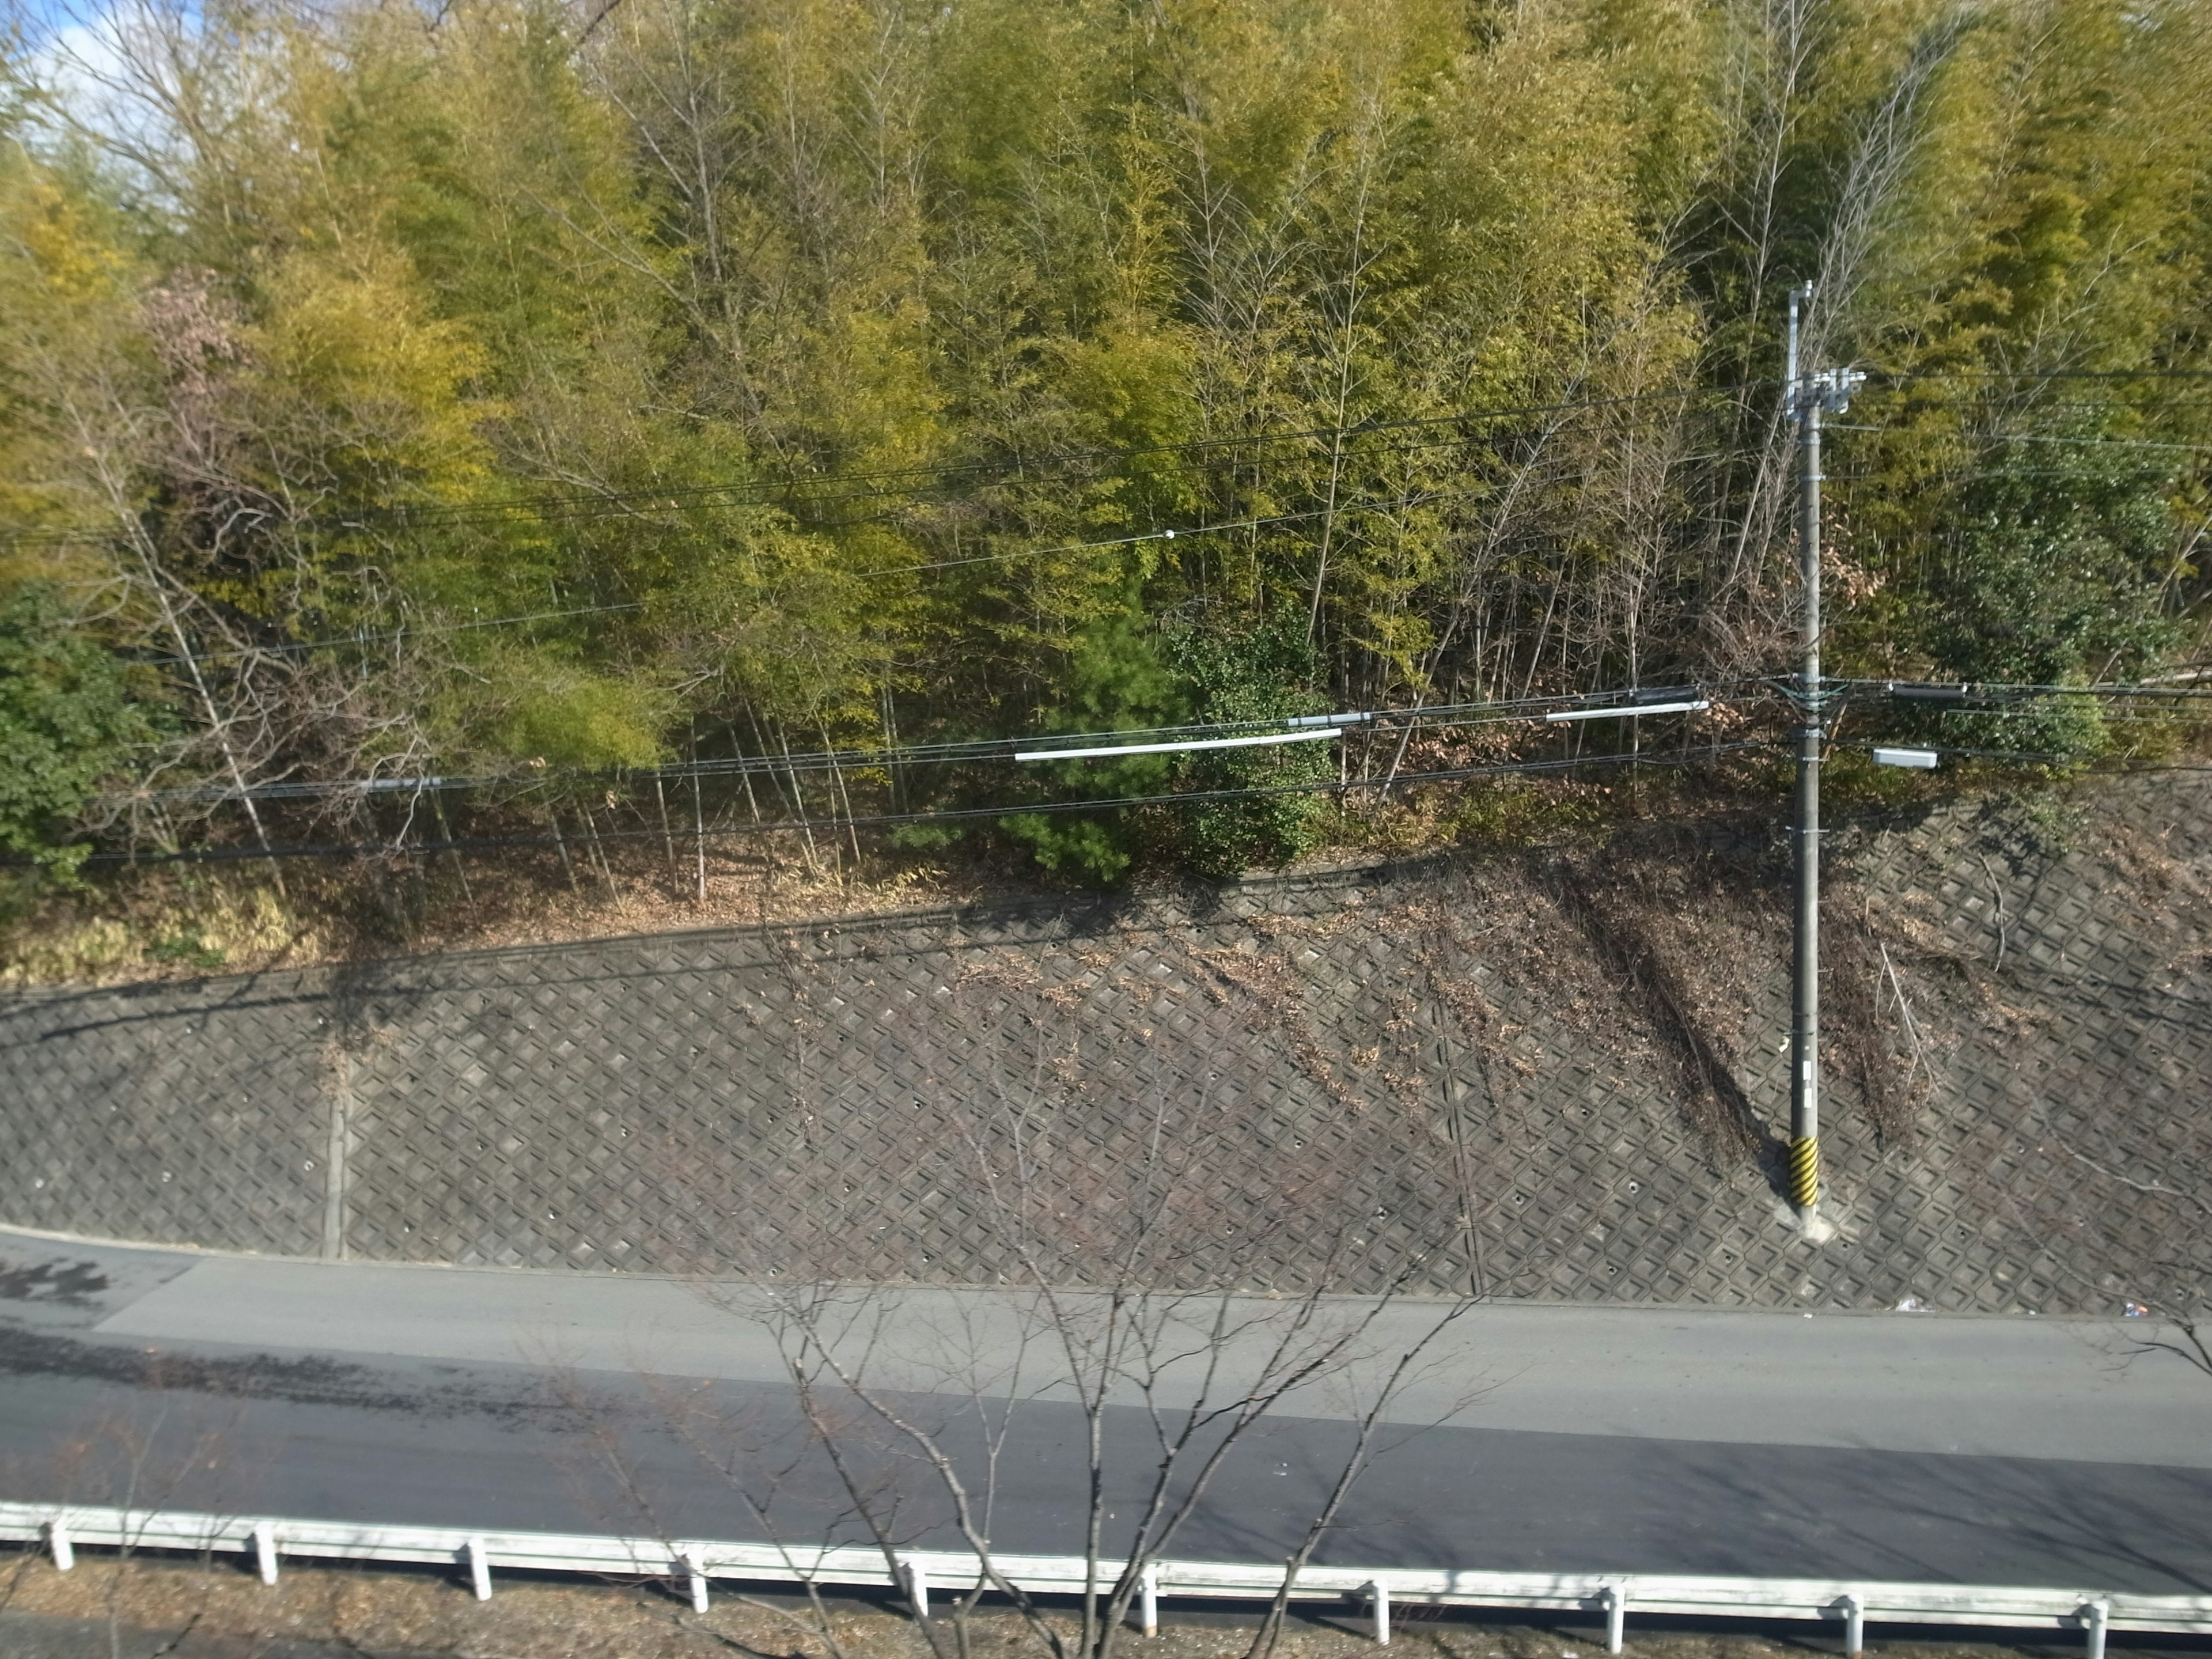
<point x="1896" y="1446"/>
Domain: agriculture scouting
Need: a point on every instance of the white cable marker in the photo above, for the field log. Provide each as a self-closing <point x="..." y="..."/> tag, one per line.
<point x="1628" y="709"/>
<point x="1920" y="760"/>
<point x="1172" y="748"/>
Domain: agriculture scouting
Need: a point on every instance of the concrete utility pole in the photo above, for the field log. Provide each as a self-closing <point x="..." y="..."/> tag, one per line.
<point x="1808" y="395"/>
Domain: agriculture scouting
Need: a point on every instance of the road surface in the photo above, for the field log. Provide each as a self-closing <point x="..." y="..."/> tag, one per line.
<point x="1912" y="1446"/>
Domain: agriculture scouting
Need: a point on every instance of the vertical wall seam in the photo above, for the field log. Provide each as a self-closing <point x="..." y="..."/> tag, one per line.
<point x="335" y="1176"/>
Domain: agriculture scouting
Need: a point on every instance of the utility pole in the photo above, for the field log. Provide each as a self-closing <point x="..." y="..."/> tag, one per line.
<point x="1808" y="395"/>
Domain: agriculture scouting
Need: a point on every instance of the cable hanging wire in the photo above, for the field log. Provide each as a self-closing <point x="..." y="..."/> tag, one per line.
<point x="946" y="815"/>
<point x="1966" y="690"/>
<point x="1623" y="702"/>
<point x="1017" y="469"/>
<point x="1038" y="469"/>
<point x="361" y="640"/>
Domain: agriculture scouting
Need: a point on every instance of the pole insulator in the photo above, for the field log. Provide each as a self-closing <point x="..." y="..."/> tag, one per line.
<point x="1805" y="1172"/>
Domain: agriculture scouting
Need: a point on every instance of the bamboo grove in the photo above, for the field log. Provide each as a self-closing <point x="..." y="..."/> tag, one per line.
<point x="543" y="397"/>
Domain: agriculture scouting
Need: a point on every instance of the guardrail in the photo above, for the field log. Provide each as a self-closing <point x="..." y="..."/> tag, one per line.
<point x="1853" y="1603"/>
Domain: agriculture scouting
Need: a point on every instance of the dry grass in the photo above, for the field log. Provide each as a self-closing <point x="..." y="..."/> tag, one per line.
<point x="421" y="1612"/>
<point x="179" y="921"/>
<point x="174" y="922"/>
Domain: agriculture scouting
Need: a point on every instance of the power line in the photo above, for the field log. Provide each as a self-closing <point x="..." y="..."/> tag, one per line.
<point x="365" y="640"/>
<point x="2111" y="769"/>
<point x="1016" y="468"/>
<point x="838" y="822"/>
<point x="1417" y="499"/>
<point x="1341" y="508"/>
<point x="393" y="635"/>
<point x="1994" y="438"/>
<point x="1436" y="717"/>
<point x="1020" y="468"/>
<point x="1911" y="377"/>
<point x="1932" y="691"/>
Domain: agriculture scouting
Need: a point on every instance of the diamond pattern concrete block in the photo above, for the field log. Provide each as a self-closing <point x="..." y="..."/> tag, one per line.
<point x="1335" y="1077"/>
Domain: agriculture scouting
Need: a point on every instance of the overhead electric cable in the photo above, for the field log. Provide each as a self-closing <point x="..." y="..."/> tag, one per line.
<point x="1018" y="468"/>
<point x="839" y="822"/>
<point x="1152" y="739"/>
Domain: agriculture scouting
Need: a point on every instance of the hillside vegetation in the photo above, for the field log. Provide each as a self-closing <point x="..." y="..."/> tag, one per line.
<point x="519" y="409"/>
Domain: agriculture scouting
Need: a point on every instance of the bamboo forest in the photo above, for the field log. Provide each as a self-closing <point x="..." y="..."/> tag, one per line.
<point x="471" y="422"/>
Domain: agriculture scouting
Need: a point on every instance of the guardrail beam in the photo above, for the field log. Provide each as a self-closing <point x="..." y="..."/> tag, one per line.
<point x="63" y="1531"/>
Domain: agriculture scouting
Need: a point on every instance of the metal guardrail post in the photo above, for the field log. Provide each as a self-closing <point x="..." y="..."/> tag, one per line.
<point x="1854" y="1625"/>
<point x="1148" y="1600"/>
<point x="61" y="1530"/>
<point x="2097" y="1615"/>
<point x="917" y="1588"/>
<point x="265" y="1550"/>
<point x="693" y="1567"/>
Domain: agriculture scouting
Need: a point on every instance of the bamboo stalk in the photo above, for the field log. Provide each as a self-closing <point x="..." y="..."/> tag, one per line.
<point x="667" y="836"/>
<point x="699" y="828"/>
<point x="799" y="800"/>
<point x="438" y="805"/>
<point x="599" y="853"/>
<point x="837" y="776"/>
<point x="561" y="841"/>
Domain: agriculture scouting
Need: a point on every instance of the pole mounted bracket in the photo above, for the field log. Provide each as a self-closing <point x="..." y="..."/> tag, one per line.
<point x="1831" y="389"/>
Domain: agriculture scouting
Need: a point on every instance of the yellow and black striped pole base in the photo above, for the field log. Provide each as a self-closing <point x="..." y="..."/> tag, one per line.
<point x="1805" y="1172"/>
